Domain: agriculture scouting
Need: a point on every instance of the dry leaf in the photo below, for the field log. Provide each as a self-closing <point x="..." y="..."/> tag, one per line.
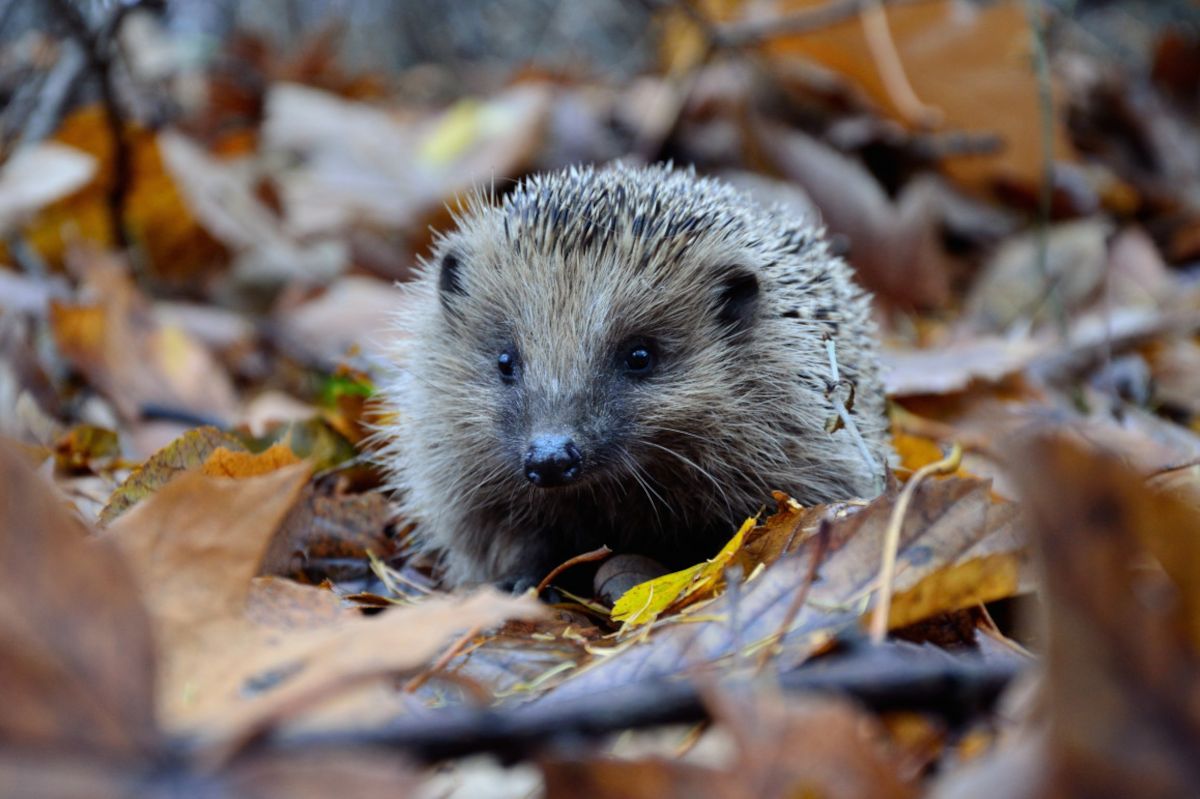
<point x="187" y="452"/>
<point x="224" y="462"/>
<point x="1124" y="623"/>
<point x="116" y="341"/>
<point x="37" y="175"/>
<point x="894" y="246"/>
<point x="973" y="63"/>
<point x="814" y="746"/>
<point x="77" y="661"/>
<point x="176" y="248"/>
<point x="194" y="547"/>
<point x="958" y="548"/>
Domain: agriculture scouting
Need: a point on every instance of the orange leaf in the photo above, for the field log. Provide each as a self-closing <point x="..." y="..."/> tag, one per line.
<point x="224" y="462"/>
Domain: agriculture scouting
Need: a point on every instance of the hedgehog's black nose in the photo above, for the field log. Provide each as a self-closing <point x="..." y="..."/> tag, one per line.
<point x="552" y="461"/>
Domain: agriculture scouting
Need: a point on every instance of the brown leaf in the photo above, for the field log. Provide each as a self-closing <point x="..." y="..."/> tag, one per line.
<point x="956" y="365"/>
<point x="116" y="341"/>
<point x="323" y="332"/>
<point x="1013" y="286"/>
<point x="287" y="605"/>
<point x="323" y="532"/>
<point x="189" y="451"/>
<point x="604" y="778"/>
<point x="895" y="247"/>
<point x="965" y="60"/>
<point x="811" y="747"/>
<point x="1124" y="623"/>
<point x="194" y="547"/>
<point x="176" y="249"/>
<point x="77" y="664"/>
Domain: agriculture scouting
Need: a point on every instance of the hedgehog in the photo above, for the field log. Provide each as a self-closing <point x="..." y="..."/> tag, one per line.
<point x="625" y="356"/>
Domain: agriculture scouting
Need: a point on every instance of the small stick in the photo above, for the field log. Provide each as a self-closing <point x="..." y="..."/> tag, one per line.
<point x="1041" y="68"/>
<point x="848" y="420"/>
<point x="891" y="68"/>
<point x="733" y="595"/>
<point x="818" y="555"/>
<point x="586" y="557"/>
<point x="891" y="539"/>
<point x="459" y="644"/>
<point x="806" y="20"/>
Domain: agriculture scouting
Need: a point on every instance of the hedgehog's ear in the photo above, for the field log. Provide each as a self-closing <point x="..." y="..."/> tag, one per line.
<point x="737" y="299"/>
<point x="450" y="275"/>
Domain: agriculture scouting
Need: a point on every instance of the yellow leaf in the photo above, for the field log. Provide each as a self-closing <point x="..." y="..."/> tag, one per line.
<point x="458" y="129"/>
<point x="960" y="585"/>
<point x="646" y="601"/>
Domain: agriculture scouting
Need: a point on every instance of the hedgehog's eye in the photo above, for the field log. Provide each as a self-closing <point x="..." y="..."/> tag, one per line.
<point x="506" y="362"/>
<point x="638" y="358"/>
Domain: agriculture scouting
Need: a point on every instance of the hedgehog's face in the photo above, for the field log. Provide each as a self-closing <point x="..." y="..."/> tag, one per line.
<point x="584" y="379"/>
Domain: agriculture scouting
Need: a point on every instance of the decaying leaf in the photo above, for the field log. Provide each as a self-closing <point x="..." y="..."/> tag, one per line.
<point x="189" y="451"/>
<point x="78" y="663"/>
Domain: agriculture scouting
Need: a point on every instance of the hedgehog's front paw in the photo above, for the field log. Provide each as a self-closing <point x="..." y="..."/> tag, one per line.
<point x="518" y="585"/>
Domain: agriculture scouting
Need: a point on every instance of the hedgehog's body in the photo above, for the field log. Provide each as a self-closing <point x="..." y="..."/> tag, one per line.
<point x="630" y="357"/>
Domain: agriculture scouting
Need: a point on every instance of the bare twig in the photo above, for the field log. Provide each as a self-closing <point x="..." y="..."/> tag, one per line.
<point x="810" y="577"/>
<point x="1041" y="67"/>
<point x="891" y="540"/>
<point x="99" y="48"/>
<point x="54" y="94"/>
<point x="586" y="557"/>
<point x="451" y="652"/>
<point x="755" y="31"/>
<point x="892" y="677"/>
<point x="891" y="70"/>
<point x="847" y="420"/>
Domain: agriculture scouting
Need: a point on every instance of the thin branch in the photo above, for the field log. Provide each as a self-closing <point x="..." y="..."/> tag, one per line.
<point x="890" y="67"/>
<point x="836" y="384"/>
<point x="891" y="540"/>
<point x="751" y="32"/>
<point x="1041" y="67"/>
<point x="891" y="678"/>
<point x="99" y="49"/>
<point x="586" y="557"/>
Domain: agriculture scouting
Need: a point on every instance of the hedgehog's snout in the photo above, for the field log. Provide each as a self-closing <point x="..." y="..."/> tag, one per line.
<point x="552" y="460"/>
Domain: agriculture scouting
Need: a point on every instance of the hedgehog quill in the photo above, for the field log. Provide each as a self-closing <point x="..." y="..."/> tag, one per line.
<point x="625" y="356"/>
